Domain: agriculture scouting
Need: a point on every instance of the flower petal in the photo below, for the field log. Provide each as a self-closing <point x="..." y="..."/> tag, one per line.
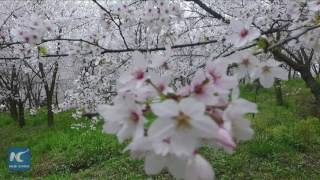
<point x="242" y="130"/>
<point x="177" y="166"/>
<point x="191" y="107"/>
<point x="199" y="168"/>
<point x="242" y="106"/>
<point x="154" y="164"/>
<point x="125" y="78"/>
<point x="111" y="127"/>
<point x="183" y="143"/>
<point x="204" y="127"/>
<point x="168" y="108"/>
<point x="161" y="129"/>
<point x="125" y="132"/>
<point x="266" y="81"/>
<point x="225" y="138"/>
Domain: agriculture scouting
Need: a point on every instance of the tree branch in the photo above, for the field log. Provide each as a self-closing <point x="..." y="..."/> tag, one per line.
<point x="210" y="11"/>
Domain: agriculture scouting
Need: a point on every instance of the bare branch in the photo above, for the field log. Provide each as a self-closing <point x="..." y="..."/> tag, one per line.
<point x="210" y="11"/>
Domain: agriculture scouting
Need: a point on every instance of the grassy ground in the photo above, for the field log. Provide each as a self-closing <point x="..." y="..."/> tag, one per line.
<point x="286" y="145"/>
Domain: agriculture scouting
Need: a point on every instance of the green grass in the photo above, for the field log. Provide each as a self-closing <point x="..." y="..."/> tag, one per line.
<point x="286" y="145"/>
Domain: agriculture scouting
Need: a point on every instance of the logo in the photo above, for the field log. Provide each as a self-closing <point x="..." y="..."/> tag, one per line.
<point x="19" y="159"/>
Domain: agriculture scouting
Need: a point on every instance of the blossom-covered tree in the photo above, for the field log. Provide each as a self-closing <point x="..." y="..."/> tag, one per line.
<point x="164" y="74"/>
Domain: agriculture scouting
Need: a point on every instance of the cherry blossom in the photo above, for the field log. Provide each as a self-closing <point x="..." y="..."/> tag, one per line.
<point x="267" y="72"/>
<point x="242" y="32"/>
<point x="198" y="168"/>
<point x="246" y="62"/>
<point x="203" y="89"/>
<point x="175" y="165"/>
<point x="136" y="76"/>
<point x="161" y="83"/>
<point x="153" y="69"/>
<point x="311" y="39"/>
<point x="37" y="27"/>
<point x="293" y="10"/>
<point x="235" y="122"/>
<point x="127" y="120"/>
<point x="195" y="167"/>
<point x="184" y="123"/>
<point x="158" y="60"/>
<point x="314" y="5"/>
<point x="216" y="72"/>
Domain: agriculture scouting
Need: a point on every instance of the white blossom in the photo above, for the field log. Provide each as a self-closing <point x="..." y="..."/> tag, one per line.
<point x="267" y="72"/>
<point x="184" y="123"/>
<point x="242" y="32"/>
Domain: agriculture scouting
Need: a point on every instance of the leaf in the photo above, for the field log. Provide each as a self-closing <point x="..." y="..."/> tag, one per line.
<point x="43" y="51"/>
<point x="263" y="43"/>
<point x="317" y="17"/>
<point x="150" y="116"/>
<point x="163" y="97"/>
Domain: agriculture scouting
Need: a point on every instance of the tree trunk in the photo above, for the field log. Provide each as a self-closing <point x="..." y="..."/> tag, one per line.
<point x="314" y="87"/>
<point x="13" y="109"/>
<point x="38" y="97"/>
<point x="318" y="72"/>
<point x="49" y="91"/>
<point x="56" y="97"/>
<point x="50" y="113"/>
<point x="303" y="67"/>
<point x="289" y="74"/>
<point x="21" y="119"/>
<point x="278" y="91"/>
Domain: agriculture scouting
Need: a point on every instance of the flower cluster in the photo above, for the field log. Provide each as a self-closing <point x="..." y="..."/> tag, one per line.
<point x="77" y="115"/>
<point x="248" y="66"/>
<point x="2" y="107"/>
<point x="34" y="111"/>
<point x="314" y="5"/>
<point x="167" y="123"/>
<point x="155" y="14"/>
<point x="167" y="126"/>
<point x="304" y="15"/>
<point x="158" y="13"/>
<point x="34" y="29"/>
<point x="89" y="126"/>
